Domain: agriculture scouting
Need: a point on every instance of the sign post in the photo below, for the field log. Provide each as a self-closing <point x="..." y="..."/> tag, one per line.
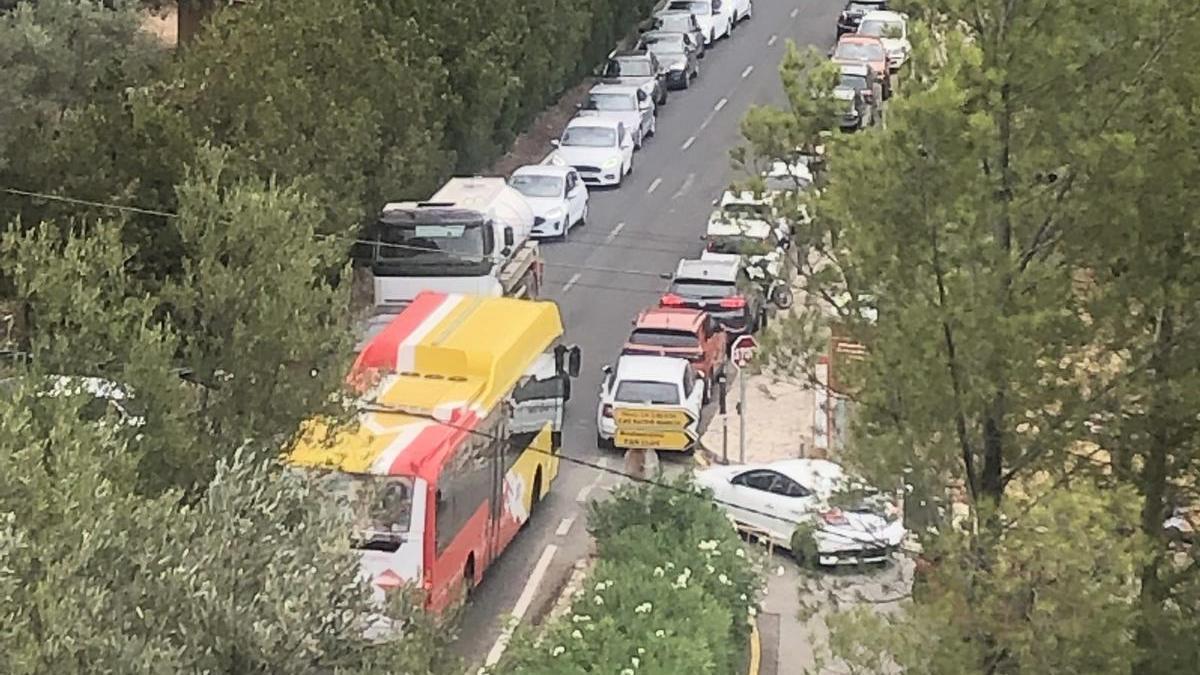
<point x="741" y="354"/>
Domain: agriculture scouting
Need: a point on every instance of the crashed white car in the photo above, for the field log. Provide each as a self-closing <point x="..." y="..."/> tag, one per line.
<point x="851" y="523"/>
<point x="892" y="29"/>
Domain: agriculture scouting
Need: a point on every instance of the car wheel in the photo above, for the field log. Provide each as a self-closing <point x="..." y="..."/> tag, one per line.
<point x="729" y="28"/>
<point x="653" y="127"/>
<point x="604" y="443"/>
<point x="712" y="37"/>
<point x="629" y="171"/>
<point x="637" y="141"/>
<point x="582" y="218"/>
<point x="749" y="11"/>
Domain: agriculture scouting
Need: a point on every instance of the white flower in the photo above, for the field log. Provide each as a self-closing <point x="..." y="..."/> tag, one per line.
<point x="670" y="565"/>
<point x="709" y="545"/>
<point x="598" y="600"/>
<point x="753" y="612"/>
<point x="658" y="571"/>
<point x="742" y="597"/>
<point x="576" y="634"/>
<point x="641" y="651"/>
<point x="580" y="618"/>
<point x="635" y="661"/>
<point x="643" y="608"/>
<point x="627" y="671"/>
<point x="723" y="579"/>
<point x="600" y="587"/>
<point x="558" y="651"/>
<point x="710" y="568"/>
<point x="740" y="553"/>
<point x="659" y="633"/>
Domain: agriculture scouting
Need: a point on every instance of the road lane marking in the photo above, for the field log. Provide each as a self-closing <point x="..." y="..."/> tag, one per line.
<point x="564" y="527"/>
<point x="587" y="489"/>
<point x="687" y="183"/>
<point x="604" y="462"/>
<point x="794" y="12"/>
<point x="688" y="143"/>
<point x="654" y="186"/>
<point x="746" y="72"/>
<point x="615" y="231"/>
<point x="570" y="282"/>
<point x="721" y="104"/>
<point x="772" y="40"/>
<point x="523" y="603"/>
<point x="582" y="497"/>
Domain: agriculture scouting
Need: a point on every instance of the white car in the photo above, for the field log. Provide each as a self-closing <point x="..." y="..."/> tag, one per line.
<point x="774" y="499"/>
<point x="599" y="148"/>
<point x="709" y="14"/>
<point x="556" y="194"/>
<point x="892" y="29"/>
<point x="627" y="104"/>
<point x="647" y="382"/>
<point x="741" y="9"/>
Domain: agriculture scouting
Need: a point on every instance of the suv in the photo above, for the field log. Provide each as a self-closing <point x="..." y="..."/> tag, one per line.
<point x="851" y="16"/>
<point x="862" y="78"/>
<point x="639" y="68"/>
<point x="684" y="333"/>
<point x="720" y="286"/>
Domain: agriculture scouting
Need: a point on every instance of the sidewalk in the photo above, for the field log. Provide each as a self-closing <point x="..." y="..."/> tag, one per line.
<point x="779" y="422"/>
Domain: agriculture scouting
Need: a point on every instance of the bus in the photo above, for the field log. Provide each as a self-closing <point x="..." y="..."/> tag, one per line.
<point x="460" y="409"/>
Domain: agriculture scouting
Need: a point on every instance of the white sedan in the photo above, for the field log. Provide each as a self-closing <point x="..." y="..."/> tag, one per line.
<point x="851" y="523"/>
<point x="556" y="194"/>
<point x="599" y="148"/>
<point x="648" y="382"/>
<point x="892" y="29"/>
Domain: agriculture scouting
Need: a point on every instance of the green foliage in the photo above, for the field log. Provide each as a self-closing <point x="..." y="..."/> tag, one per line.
<point x="670" y="593"/>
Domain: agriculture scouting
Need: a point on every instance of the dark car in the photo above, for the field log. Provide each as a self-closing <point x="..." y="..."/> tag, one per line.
<point x="677" y="59"/>
<point x="674" y="21"/>
<point x="848" y="20"/>
<point x="718" y="284"/>
<point x="640" y="68"/>
<point x="862" y="78"/>
<point x="856" y="115"/>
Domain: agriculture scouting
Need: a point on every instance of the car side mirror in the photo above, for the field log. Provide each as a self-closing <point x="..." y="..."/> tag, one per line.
<point x="607" y="370"/>
<point x="598" y="71"/>
<point x="555" y="142"/>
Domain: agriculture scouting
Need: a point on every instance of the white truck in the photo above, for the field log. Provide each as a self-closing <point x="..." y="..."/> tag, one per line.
<point x="471" y="236"/>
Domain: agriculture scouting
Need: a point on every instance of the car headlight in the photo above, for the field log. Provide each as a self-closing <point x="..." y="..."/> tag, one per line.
<point x="611" y="162"/>
<point x="555" y="214"/>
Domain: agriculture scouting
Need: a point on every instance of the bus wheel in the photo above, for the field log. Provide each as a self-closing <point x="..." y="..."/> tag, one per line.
<point x="536" y="496"/>
<point x="469" y="577"/>
<point x="555" y="441"/>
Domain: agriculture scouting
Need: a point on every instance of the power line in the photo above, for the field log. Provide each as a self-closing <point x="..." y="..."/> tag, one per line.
<point x="566" y="283"/>
<point x="87" y="202"/>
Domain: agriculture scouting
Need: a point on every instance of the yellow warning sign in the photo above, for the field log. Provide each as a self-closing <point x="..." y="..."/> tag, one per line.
<point x="652" y="418"/>
<point x="653" y="440"/>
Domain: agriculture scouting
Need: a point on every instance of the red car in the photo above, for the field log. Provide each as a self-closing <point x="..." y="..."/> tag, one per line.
<point x="868" y="50"/>
<point x="686" y="333"/>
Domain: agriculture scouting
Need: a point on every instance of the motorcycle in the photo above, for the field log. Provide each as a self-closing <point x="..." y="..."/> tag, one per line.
<point x="776" y="289"/>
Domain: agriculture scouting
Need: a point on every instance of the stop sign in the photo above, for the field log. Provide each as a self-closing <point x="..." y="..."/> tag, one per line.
<point x="743" y="350"/>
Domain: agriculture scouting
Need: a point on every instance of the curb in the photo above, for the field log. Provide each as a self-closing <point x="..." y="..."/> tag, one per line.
<point x="755" y="649"/>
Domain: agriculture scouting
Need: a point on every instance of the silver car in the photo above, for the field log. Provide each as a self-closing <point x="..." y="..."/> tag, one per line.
<point x="676" y="21"/>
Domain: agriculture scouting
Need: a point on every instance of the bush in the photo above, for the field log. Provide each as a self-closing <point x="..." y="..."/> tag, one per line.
<point x="670" y="593"/>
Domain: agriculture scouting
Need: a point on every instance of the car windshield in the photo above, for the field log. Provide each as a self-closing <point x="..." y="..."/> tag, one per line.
<point x="618" y="102"/>
<point x="853" y="81"/>
<point x="464" y="242"/>
<point x="879" y="28"/>
<point x="629" y="68"/>
<point x="664" y="42"/>
<point x="697" y="7"/>
<point x="859" y="51"/>
<point x="737" y="245"/>
<point x="742" y="210"/>
<point x="654" y="337"/>
<point x="679" y="23"/>
<point x="703" y="288"/>
<point x="641" y="391"/>
<point x="537" y="186"/>
<point x="590" y="137"/>
<point x="379" y="508"/>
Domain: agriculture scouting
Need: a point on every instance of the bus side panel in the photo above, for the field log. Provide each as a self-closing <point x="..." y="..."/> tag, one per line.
<point x="450" y="569"/>
<point x="525" y="464"/>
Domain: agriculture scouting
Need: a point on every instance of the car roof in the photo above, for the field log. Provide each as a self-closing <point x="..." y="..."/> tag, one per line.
<point x="593" y="121"/>
<point x="651" y="368"/>
<point x="670" y="318"/>
<point x="675" y="12"/>
<point x="632" y="54"/>
<point x="719" y="270"/>
<point x="856" y="38"/>
<point x="883" y="15"/>
<point x="543" y="170"/>
<point x="804" y="471"/>
<point x="611" y="88"/>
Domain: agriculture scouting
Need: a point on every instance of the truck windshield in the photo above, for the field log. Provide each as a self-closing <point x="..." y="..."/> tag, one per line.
<point x="379" y="508"/>
<point x="441" y="244"/>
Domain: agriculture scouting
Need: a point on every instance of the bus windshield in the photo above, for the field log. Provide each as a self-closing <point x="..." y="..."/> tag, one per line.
<point x="379" y="508"/>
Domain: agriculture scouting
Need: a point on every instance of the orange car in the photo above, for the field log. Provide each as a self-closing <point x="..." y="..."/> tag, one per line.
<point x="685" y="333"/>
<point x="868" y="50"/>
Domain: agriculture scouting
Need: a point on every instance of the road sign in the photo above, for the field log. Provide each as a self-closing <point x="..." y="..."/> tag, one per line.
<point x="743" y="350"/>
<point x="677" y="439"/>
<point x="647" y="419"/>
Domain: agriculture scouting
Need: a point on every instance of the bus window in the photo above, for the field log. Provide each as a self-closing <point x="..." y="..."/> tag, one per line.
<point x="465" y="483"/>
<point x="379" y="507"/>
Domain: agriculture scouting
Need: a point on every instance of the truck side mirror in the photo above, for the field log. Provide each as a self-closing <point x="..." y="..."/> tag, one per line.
<point x="509" y="239"/>
<point x="574" y="361"/>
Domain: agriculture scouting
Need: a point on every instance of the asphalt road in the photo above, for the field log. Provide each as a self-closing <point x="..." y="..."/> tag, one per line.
<point x="609" y="270"/>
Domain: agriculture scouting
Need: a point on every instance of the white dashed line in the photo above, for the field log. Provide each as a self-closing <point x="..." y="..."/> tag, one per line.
<point x="794" y="12"/>
<point x="747" y="71"/>
<point x="604" y="462"/>
<point x="615" y="231"/>
<point x="522" y="606"/>
<point x="582" y="497"/>
<point x="772" y="40"/>
<point x="687" y="183"/>
<point x="688" y="143"/>
<point x="721" y="104"/>
<point x="570" y="282"/>
<point x="564" y="527"/>
<point x="654" y="186"/>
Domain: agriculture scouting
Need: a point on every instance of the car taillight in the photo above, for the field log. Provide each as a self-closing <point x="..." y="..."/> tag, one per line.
<point x="671" y="300"/>
<point x="733" y="303"/>
<point x="606" y="411"/>
<point x="834" y="517"/>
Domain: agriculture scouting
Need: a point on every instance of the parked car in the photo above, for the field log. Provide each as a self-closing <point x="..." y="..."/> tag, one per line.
<point x="626" y="104"/>
<point x="856" y="114"/>
<point x="672" y="21"/>
<point x="708" y="15"/>
<point x="647" y="382"/>
<point x="868" y="50"/>
<point x="861" y="78"/>
<point x="851" y="16"/>
<point x="741" y="9"/>
<point x="745" y="225"/>
<point x="683" y="333"/>
<point x="721" y="288"/>
<point x="851" y="523"/>
<point x="639" y="68"/>
<point x="556" y="194"/>
<point x="678" y="62"/>
<point x="892" y="29"/>
<point x="599" y="148"/>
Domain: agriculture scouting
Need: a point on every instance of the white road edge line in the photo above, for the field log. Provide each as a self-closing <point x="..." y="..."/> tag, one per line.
<point x="688" y="143"/>
<point x="772" y="40"/>
<point x="654" y="186"/>
<point x="615" y="231"/>
<point x="747" y="71"/>
<point x="582" y="497"/>
<point x="794" y="12"/>
<point x="571" y="282"/>
<point x="564" y="527"/>
<point x="721" y="104"/>
<point x="522" y="606"/>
